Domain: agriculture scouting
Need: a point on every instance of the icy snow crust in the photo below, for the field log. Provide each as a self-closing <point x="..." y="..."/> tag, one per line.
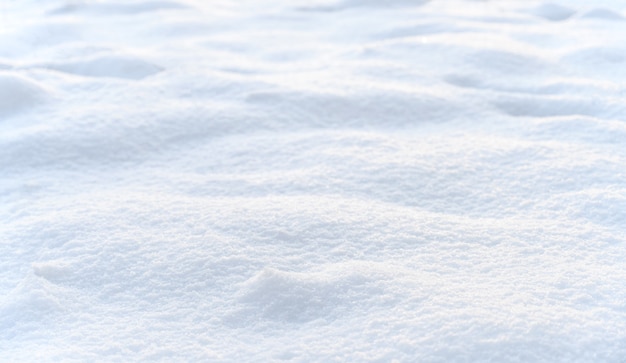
<point x="313" y="181"/>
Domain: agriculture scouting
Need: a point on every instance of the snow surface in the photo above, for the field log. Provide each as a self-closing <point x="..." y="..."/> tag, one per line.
<point x="313" y="181"/>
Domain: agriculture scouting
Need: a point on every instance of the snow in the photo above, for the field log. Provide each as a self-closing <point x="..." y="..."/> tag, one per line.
<point x="312" y="181"/>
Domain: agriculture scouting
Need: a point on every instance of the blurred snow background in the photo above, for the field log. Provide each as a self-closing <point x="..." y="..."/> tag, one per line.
<point x="333" y="180"/>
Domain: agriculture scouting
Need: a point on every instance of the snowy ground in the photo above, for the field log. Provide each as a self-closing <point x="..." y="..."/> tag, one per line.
<point x="313" y="181"/>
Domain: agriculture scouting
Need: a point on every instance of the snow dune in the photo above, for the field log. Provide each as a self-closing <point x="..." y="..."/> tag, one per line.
<point x="313" y="181"/>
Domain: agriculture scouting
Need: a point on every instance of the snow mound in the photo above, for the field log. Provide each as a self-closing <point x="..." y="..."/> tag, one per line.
<point x="29" y="303"/>
<point x="603" y="14"/>
<point x="356" y="4"/>
<point x="114" y="66"/>
<point x="294" y="297"/>
<point x="115" y="7"/>
<point x="554" y="12"/>
<point x="19" y="93"/>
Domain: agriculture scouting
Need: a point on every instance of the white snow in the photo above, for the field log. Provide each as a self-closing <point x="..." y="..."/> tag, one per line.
<point x="313" y="181"/>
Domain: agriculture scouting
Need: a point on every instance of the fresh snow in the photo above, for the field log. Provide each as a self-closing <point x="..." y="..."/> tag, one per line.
<point x="313" y="181"/>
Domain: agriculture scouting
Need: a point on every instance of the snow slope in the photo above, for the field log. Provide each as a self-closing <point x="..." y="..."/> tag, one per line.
<point x="313" y="181"/>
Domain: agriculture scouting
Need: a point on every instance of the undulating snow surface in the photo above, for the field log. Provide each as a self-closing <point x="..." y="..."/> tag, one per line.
<point x="313" y="181"/>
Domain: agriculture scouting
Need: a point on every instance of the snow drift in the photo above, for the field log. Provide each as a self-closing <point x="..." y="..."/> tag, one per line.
<point x="332" y="180"/>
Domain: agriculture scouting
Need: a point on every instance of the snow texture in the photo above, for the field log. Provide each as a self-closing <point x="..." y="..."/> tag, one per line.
<point x="313" y="181"/>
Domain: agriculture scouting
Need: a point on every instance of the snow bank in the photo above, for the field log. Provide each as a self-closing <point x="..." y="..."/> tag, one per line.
<point x="329" y="180"/>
